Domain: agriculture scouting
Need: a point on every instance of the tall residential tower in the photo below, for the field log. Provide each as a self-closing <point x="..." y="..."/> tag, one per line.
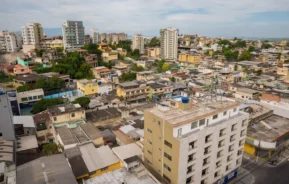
<point x="194" y="142"/>
<point x="10" y="41"/>
<point x="73" y="34"/>
<point x="138" y="43"/>
<point x="169" y="43"/>
<point x="94" y="35"/>
<point x="32" y="35"/>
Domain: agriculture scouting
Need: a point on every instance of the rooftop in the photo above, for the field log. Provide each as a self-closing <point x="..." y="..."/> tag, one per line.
<point x="26" y="121"/>
<point x="27" y="77"/>
<point x="104" y="114"/>
<point x="247" y="90"/>
<point x="269" y="129"/>
<point x="64" y="108"/>
<point x="97" y="158"/>
<point x="27" y="143"/>
<point x="52" y="169"/>
<point x="178" y="117"/>
<point x="91" y="131"/>
<point x="66" y="135"/>
<point x="127" y="151"/>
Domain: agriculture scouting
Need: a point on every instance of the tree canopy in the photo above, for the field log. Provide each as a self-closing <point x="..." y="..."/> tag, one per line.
<point x="82" y="101"/>
<point x="42" y="104"/>
<point x="230" y="55"/>
<point x="251" y="48"/>
<point x="52" y="148"/>
<point x="266" y="46"/>
<point x="128" y="76"/>
<point x="240" y="44"/>
<point x="49" y="84"/>
<point x="135" y="67"/>
<point x="155" y="42"/>
<point x="160" y="66"/>
<point x="245" y="56"/>
<point x="23" y="88"/>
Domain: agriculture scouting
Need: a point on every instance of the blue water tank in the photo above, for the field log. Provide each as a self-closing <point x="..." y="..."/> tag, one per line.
<point x="1" y="93"/>
<point x="185" y="100"/>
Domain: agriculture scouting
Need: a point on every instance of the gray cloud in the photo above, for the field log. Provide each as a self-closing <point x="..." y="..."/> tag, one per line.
<point x="220" y="17"/>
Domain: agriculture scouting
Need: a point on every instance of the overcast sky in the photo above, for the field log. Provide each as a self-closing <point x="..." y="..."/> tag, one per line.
<point x="228" y="18"/>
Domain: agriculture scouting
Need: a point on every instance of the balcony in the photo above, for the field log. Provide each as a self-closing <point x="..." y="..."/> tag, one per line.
<point x="240" y="152"/>
<point x="234" y="128"/>
<point x="222" y="133"/>
<point x="208" y="139"/>
<point x="231" y="149"/>
<point x="232" y="139"/>
<point x="205" y="172"/>
<point x="191" y="158"/>
<point x="229" y="159"/>
<point x="207" y="151"/>
<point x="243" y="133"/>
<point x="206" y="163"/>
<point x="218" y="164"/>
<point x="192" y="146"/>
<point x="221" y="144"/>
<point x="219" y="155"/>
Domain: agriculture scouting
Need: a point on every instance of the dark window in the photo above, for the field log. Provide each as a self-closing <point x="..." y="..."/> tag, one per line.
<point x="167" y="156"/>
<point x="194" y="125"/>
<point x="202" y="122"/>
<point x="215" y="116"/>
<point x="167" y="178"/>
<point x="167" y="167"/>
<point x="168" y="144"/>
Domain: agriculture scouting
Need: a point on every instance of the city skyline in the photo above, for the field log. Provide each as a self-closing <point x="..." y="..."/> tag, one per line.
<point x="226" y="19"/>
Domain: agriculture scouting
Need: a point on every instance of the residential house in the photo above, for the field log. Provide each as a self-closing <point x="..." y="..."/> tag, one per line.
<point x="133" y="91"/>
<point x="246" y="93"/>
<point x="87" y="87"/>
<point x="190" y="58"/>
<point x="91" y="59"/>
<point x="109" y="55"/>
<point x="153" y="52"/>
<point x="145" y="75"/>
<point x="104" y="117"/>
<point x="101" y="72"/>
<point x="158" y="91"/>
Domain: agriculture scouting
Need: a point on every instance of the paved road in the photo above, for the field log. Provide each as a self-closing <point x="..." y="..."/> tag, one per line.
<point x="265" y="174"/>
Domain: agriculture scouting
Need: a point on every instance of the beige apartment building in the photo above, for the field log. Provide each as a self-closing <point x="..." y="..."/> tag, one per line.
<point x="194" y="143"/>
<point x="138" y="43"/>
<point x="32" y="35"/>
<point x="153" y="52"/>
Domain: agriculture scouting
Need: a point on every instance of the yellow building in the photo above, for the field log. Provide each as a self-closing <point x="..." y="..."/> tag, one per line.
<point x="109" y="55"/>
<point x="282" y="71"/>
<point x="121" y="51"/>
<point x="64" y="113"/>
<point x="87" y="87"/>
<point x="153" y="52"/>
<point x="56" y="44"/>
<point x="92" y="161"/>
<point x="190" y="58"/>
<point x="192" y="143"/>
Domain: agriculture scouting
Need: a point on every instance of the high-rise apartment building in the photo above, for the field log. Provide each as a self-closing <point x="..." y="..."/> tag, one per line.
<point x="169" y="43"/>
<point x="10" y="41"/>
<point x="6" y="120"/>
<point x="194" y="142"/>
<point x="138" y="43"/>
<point x="32" y="35"/>
<point x="112" y="38"/>
<point x="73" y="34"/>
<point x="94" y="35"/>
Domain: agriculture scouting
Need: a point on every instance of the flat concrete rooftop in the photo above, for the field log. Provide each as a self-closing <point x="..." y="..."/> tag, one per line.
<point x="269" y="129"/>
<point x="198" y="111"/>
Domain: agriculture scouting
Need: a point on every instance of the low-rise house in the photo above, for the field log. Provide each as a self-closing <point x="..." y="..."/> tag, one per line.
<point x="25" y="61"/>
<point x="101" y="72"/>
<point x="66" y="113"/>
<point x="153" y="52"/>
<point x="26" y="99"/>
<point x="91" y="59"/>
<point x="133" y="91"/>
<point x="45" y="131"/>
<point x="96" y="161"/>
<point x="87" y="87"/>
<point x="158" y="91"/>
<point x="26" y="79"/>
<point x="64" y="77"/>
<point x="109" y="55"/>
<point x="246" y="93"/>
<point x="104" y="117"/>
<point x="21" y="70"/>
<point x="145" y="75"/>
<point x="120" y="69"/>
<point x="190" y="58"/>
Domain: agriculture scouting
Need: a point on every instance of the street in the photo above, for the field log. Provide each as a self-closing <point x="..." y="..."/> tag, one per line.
<point x="265" y="174"/>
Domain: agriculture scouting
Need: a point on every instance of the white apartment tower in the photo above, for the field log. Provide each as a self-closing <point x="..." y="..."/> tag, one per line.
<point x="194" y="142"/>
<point x="94" y="35"/>
<point x="32" y="35"/>
<point x="10" y="41"/>
<point x="169" y="43"/>
<point x="73" y="34"/>
<point x="138" y="43"/>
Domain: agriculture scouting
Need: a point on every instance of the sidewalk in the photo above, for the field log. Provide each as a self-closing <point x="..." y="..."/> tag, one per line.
<point x="244" y="177"/>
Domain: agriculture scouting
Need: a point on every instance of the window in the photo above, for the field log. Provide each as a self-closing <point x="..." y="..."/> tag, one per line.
<point x="235" y="109"/>
<point x="234" y="127"/>
<point x="149" y="152"/>
<point x="204" y="172"/>
<point x="192" y="145"/>
<point x="34" y="97"/>
<point x="222" y="132"/>
<point x="103" y="169"/>
<point x="202" y="122"/>
<point x="167" y="178"/>
<point x="149" y="130"/>
<point x="40" y="96"/>
<point x="179" y="132"/>
<point x="215" y="116"/>
<point x="159" y="123"/>
<point x="167" y="167"/>
<point x="225" y="113"/>
<point x="208" y="138"/>
<point x="168" y="156"/>
<point x="24" y="99"/>
<point x="189" y="169"/>
<point x="168" y="144"/>
<point x="150" y="141"/>
<point x="72" y="114"/>
<point x="207" y="150"/>
<point x="55" y="118"/>
<point x="194" y="125"/>
<point x="191" y="157"/>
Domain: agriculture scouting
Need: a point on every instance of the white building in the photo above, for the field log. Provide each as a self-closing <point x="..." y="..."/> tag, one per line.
<point x="138" y="43"/>
<point x="94" y="35"/>
<point x="73" y="34"/>
<point x="169" y="43"/>
<point x="10" y="41"/>
<point x="195" y="143"/>
<point x="32" y="35"/>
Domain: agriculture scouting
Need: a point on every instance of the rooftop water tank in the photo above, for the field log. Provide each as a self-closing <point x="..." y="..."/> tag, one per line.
<point x="185" y="100"/>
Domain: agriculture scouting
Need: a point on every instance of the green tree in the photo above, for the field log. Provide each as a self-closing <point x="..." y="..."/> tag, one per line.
<point x="135" y="67"/>
<point x="52" y="148"/>
<point x="6" y="78"/>
<point x="82" y="101"/>
<point x="165" y="67"/>
<point x="44" y="103"/>
<point x="49" y="84"/>
<point x="160" y="65"/>
<point x="128" y="76"/>
<point x="229" y="54"/>
<point x="240" y="44"/>
<point x="104" y="41"/>
<point x="23" y="88"/>
<point x="121" y="98"/>
<point x="155" y="42"/>
<point x="266" y="46"/>
<point x="251" y="48"/>
<point x="173" y="79"/>
<point x="245" y="56"/>
<point x="224" y="42"/>
<point x="135" y="54"/>
<point x="40" y="52"/>
<point x="286" y="61"/>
